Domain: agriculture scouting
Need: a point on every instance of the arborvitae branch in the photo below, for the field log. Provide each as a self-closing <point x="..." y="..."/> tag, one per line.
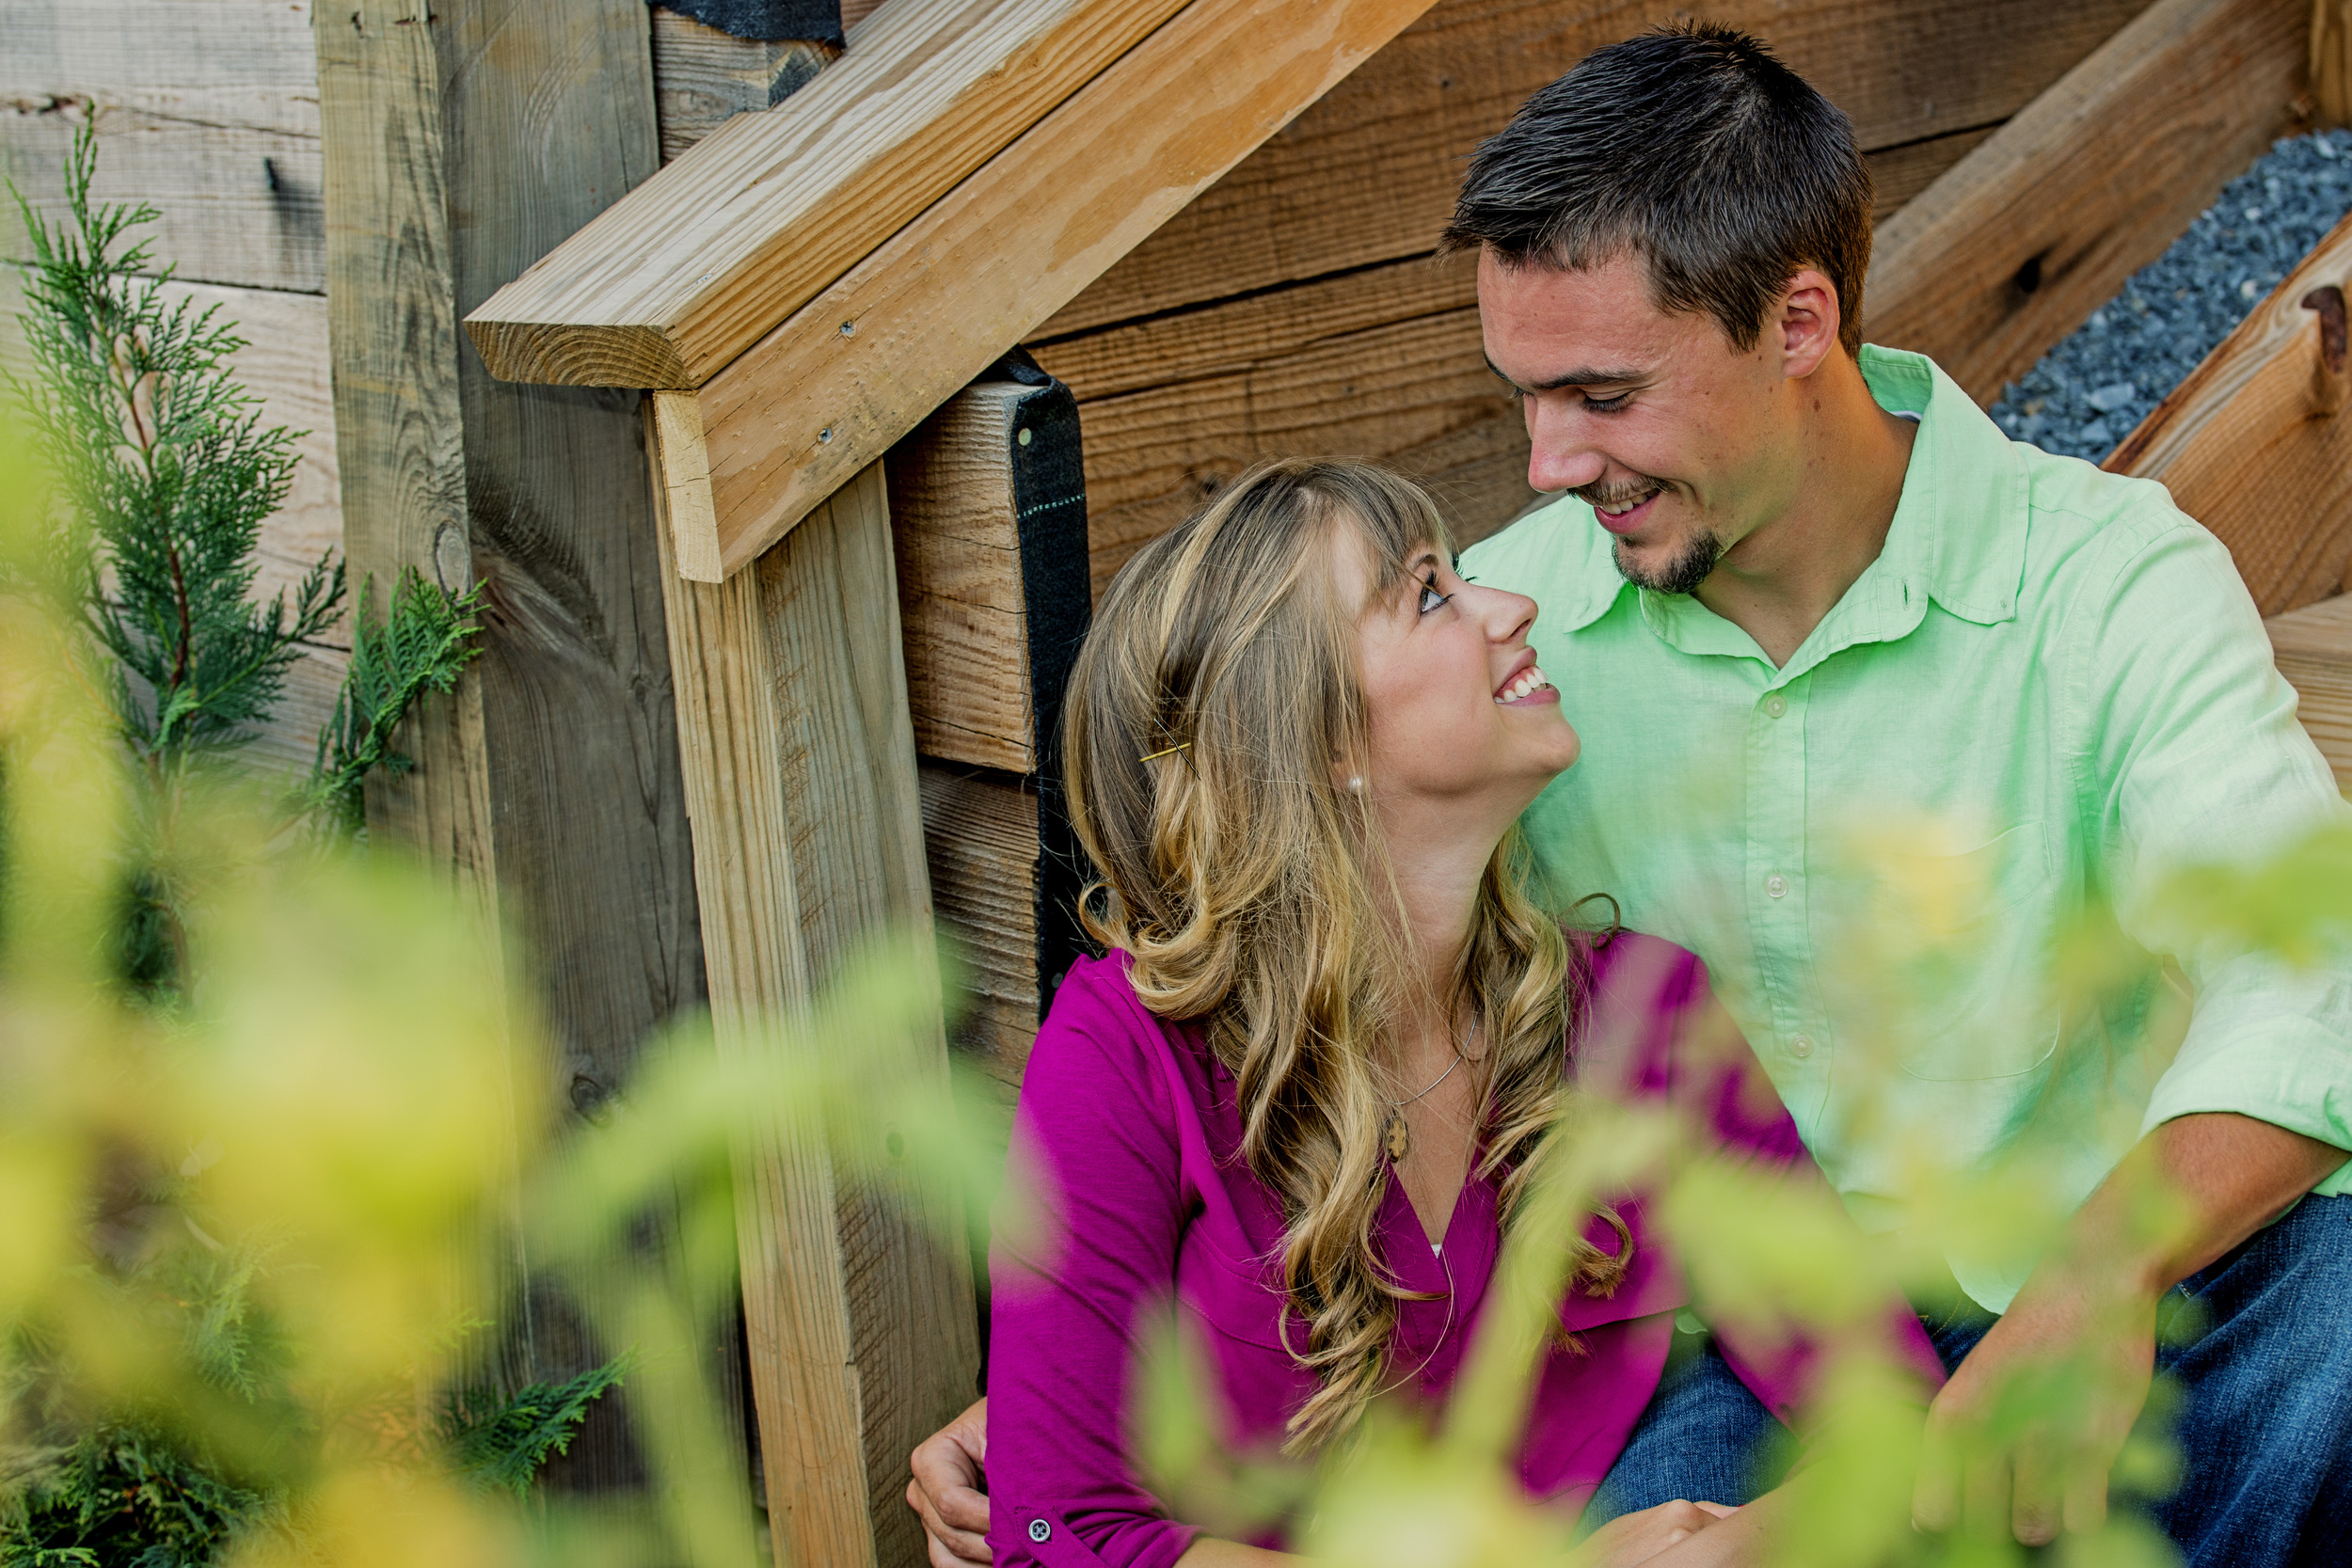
<point x="423" y="645"/>
<point x="169" y="474"/>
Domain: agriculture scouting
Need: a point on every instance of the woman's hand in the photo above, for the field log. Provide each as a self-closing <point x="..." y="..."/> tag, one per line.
<point x="945" y="1493"/>
<point x="1638" y="1537"/>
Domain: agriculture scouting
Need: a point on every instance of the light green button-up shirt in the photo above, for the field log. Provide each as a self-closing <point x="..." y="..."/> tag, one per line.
<point x="2050" y="689"/>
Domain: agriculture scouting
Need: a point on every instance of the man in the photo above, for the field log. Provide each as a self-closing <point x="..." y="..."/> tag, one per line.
<point x="1811" y="610"/>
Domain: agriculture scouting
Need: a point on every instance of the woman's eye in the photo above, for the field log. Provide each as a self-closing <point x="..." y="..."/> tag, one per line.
<point x="1430" y="597"/>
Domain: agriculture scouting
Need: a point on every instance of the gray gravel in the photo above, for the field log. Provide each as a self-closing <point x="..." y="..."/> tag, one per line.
<point x="2089" y="392"/>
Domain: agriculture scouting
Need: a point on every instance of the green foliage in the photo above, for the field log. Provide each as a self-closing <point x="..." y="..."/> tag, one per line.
<point x="170" y="474"/>
<point x="421" y="646"/>
<point x="124" y="1496"/>
<point x="500" y="1440"/>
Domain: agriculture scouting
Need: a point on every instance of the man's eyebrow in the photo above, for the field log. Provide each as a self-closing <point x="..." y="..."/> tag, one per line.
<point x="1578" y="377"/>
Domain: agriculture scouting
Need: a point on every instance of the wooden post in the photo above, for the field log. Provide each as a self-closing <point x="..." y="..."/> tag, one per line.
<point x="2252" y="442"/>
<point x="989" y="517"/>
<point x="2331" y="61"/>
<point x="461" y="143"/>
<point x="800" y="773"/>
<point x="2017" y="242"/>
<point x="2314" y="647"/>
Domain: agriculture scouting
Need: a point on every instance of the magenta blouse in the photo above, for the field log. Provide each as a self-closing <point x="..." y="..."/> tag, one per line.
<point x="1129" y="1130"/>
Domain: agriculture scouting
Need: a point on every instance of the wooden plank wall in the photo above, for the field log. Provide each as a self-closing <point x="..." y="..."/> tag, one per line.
<point x="209" y="110"/>
<point x="1292" y="307"/>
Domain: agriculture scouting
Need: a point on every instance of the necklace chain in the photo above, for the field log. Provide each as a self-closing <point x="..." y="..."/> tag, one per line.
<point x="1395" y="1135"/>
<point x="1400" y="1104"/>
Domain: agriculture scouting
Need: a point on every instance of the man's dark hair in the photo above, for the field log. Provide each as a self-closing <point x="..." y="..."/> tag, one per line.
<point x="1695" y="149"/>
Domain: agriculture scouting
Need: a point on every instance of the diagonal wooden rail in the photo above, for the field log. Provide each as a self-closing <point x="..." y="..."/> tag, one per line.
<point x="668" y="285"/>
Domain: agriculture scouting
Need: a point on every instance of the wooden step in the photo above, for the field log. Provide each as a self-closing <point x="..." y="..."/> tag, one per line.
<point x="2314" y="650"/>
<point x="2251" y="443"/>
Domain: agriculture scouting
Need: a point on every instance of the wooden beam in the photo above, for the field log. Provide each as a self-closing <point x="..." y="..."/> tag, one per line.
<point x="207" y="108"/>
<point x="2253" y="444"/>
<point x="989" y="523"/>
<point x="460" y="147"/>
<point x="1413" y="393"/>
<point x="670" y="287"/>
<point x="2314" y="647"/>
<point x="799" y="778"/>
<point x="838" y="384"/>
<point x="981" y="835"/>
<point x="2021" y="240"/>
<point x="702" y="77"/>
<point x="1370" y="173"/>
<point x="2331" y="61"/>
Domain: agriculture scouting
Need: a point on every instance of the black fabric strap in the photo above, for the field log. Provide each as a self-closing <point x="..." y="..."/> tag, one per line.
<point x="1049" y="495"/>
<point x="771" y="21"/>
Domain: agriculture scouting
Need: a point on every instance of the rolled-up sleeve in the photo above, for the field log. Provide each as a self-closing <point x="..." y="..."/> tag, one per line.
<point x="2196" y="758"/>
<point x="1085" y="1244"/>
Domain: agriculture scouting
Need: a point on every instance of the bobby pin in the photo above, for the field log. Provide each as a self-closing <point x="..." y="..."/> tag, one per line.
<point x="1169" y="753"/>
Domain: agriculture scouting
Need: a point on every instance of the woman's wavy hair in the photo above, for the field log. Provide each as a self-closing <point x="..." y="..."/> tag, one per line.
<point x="1211" y="716"/>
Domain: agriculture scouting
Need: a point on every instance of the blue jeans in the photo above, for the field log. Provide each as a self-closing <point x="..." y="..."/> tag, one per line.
<point x="2259" y="1347"/>
<point x="1702" y="1436"/>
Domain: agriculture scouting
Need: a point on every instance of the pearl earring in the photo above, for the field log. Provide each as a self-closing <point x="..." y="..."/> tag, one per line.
<point x="1356" y="785"/>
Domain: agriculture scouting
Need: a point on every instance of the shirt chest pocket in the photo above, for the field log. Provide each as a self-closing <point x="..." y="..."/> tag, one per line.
<point x="1956" y="946"/>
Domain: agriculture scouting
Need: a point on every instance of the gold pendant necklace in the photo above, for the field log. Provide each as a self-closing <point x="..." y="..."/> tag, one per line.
<point x="1394" y="1134"/>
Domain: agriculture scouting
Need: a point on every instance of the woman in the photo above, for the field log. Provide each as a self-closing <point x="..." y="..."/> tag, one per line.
<point x="1304" y="1091"/>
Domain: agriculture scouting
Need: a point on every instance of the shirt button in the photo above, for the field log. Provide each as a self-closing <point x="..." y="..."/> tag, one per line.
<point x="1040" y="1529"/>
<point x="1800" y="1046"/>
<point x="1777" y="885"/>
<point x="1774" y="706"/>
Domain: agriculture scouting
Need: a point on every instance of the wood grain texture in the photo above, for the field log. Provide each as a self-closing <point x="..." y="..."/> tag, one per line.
<point x="768" y="210"/>
<point x="957" y="545"/>
<point x="1900" y="173"/>
<point x="1369" y="174"/>
<point x="796" y="1319"/>
<point x="207" y="108"/>
<point x="2331" y="63"/>
<point x="847" y="755"/>
<point x="2020" y="240"/>
<point x="980" y="839"/>
<point x="807" y="406"/>
<point x="702" y="77"/>
<point x="1415" y="394"/>
<point x="461" y="146"/>
<point x="2246" y="448"/>
<point x="2314" y="647"/>
<point x="684" y="475"/>
<point x="800" y="762"/>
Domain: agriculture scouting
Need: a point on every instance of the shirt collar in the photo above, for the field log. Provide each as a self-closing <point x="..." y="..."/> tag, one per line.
<point x="1957" y="536"/>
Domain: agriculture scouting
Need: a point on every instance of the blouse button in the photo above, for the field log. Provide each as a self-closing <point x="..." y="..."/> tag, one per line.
<point x="1800" y="1046"/>
<point x="1040" y="1529"/>
<point x="1777" y="885"/>
<point x="1774" y="706"/>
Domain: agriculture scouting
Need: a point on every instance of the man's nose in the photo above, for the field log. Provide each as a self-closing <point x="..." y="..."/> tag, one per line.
<point x="1563" y="456"/>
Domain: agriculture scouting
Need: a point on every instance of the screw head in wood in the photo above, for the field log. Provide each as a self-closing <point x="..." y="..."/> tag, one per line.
<point x="848" y="330"/>
<point x="824" y="435"/>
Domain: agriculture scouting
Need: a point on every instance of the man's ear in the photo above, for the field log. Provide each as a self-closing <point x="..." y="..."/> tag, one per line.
<point x="1807" y="321"/>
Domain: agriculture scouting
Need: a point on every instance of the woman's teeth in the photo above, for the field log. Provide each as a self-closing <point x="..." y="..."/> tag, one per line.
<point x="1531" y="679"/>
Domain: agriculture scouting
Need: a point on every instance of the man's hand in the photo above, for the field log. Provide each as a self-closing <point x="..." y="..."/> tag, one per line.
<point x="2021" y="1439"/>
<point x="946" y="1491"/>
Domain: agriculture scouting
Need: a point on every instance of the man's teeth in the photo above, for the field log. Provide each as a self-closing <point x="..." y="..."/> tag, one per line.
<point x="1621" y="511"/>
<point x="1530" y="679"/>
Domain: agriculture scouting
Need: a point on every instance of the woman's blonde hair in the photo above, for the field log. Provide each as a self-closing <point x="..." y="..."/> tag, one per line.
<point x="1211" y="717"/>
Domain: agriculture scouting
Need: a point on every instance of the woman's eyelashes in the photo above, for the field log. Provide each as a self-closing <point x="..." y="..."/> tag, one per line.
<point x="1430" y="597"/>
